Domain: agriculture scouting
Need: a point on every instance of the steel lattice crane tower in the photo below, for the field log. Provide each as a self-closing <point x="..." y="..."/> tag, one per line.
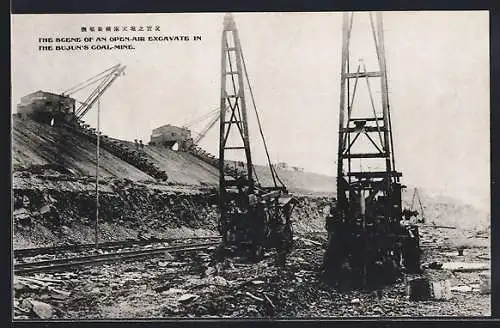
<point x="233" y="98"/>
<point x="366" y="238"/>
<point x="253" y="217"/>
<point x="378" y="125"/>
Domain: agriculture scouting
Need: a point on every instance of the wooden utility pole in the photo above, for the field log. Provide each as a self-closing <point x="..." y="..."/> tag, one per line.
<point x="97" y="175"/>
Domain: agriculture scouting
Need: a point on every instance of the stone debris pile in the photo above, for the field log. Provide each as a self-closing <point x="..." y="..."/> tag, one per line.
<point x="40" y="296"/>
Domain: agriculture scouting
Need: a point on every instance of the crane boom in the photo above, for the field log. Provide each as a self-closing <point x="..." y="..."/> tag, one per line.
<point x="105" y="83"/>
<point x="207" y="128"/>
<point x="91" y="80"/>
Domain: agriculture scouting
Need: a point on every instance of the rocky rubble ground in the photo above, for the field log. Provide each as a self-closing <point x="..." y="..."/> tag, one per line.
<point x="60" y="210"/>
<point x="194" y="286"/>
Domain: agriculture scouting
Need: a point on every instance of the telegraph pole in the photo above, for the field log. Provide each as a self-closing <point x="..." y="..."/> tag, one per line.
<point x="97" y="176"/>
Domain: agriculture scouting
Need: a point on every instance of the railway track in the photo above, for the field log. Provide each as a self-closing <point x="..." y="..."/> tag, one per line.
<point x="25" y="252"/>
<point x="58" y="264"/>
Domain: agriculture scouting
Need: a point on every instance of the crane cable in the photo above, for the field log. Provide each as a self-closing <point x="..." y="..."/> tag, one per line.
<point x="94" y="95"/>
<point x="208" y="127"/>
<point x="83" y="86"/>
<point x="209" y="114"/>
<point x="274" y="174"/>
<point x="89" y="81"/>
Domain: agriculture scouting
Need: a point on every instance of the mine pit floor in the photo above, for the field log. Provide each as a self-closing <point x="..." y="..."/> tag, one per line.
<point x="193" y="286"/>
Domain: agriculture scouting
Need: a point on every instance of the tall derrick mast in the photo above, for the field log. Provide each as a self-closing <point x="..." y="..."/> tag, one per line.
<point x="366" y="239"/>
<point x="253" y="217"/>
<point x="233" y="97"/>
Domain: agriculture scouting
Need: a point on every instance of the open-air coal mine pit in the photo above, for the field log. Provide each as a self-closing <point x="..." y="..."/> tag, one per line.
<point x="105" y="228"/>
<point x="192" y="284"/>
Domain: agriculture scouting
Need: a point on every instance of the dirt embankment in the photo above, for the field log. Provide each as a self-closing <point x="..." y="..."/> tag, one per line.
<point x="58" y="212"/>
<point x="59" y="209"/>
<point x="53" y="208"/>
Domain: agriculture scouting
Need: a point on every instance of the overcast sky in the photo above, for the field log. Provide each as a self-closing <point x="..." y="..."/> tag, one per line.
<point x="438" y="70"/>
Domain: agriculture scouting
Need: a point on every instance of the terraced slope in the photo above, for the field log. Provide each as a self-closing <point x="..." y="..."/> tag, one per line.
<point x="41" y="145"/>
<point x="182" y="167"/>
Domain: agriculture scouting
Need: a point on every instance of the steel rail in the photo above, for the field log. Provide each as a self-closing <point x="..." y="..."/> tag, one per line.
<point x="26" y="252"/>
<point x="48" y="265"/>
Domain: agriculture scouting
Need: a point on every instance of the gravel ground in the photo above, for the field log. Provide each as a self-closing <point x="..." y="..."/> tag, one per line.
<point x="192" y="286"/>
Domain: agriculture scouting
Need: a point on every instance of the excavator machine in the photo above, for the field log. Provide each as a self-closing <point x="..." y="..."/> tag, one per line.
<point x="368" y="244"/>
<point x="61" y="108"/>
<point x="253" y="217"/>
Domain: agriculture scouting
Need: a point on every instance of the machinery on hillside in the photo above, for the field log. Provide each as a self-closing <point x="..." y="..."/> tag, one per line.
<point x="370" y="242"/>
<point x="213" y="117"/>
<point x="253" y="217"/>
<point x="46" y="107"/>
<point x="51" y="108"/>
<point x="103" y="80"/>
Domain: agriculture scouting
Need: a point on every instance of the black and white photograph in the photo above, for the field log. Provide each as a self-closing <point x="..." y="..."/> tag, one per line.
<point x="243" y="165"/>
